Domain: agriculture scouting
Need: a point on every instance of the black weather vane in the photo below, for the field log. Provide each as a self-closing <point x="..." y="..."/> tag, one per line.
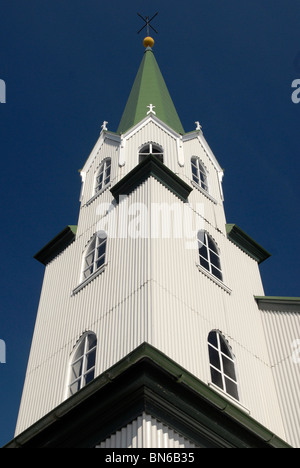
<point x="147" y="23"/>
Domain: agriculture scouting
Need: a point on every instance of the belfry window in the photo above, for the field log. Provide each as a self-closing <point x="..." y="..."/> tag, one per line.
<point x="151" y="148"/>
<point x="199" y="173"/>
<point x="94" y="256"/>
<point x="222" y="365"/>
<point x="83" y="363"/>
<point x="103" y="175"/>
<point x="209" y="255"/>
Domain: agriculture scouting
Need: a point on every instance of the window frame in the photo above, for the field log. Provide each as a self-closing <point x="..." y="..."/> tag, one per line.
<point x="220" y="377"/>
<point x="96" y="271"/>
<point x="200" y="171"/>
<point x="103" y="168"/>
<point x="209" y="258"/>
<point x="152" y="146"/>
<point x="95" y="244"/>
<point x="86" y="350"/>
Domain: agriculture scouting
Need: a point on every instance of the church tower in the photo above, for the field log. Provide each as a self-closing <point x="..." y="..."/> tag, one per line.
<point x="153" y="327"/>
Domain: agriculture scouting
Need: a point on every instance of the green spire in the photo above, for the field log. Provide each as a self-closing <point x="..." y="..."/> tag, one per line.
<point x="149" y="88"/>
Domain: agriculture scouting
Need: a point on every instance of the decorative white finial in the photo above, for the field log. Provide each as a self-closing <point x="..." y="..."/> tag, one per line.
<point x="104" y="125"/>
<point x="198" y="126"/>
<point x="151" y="111"/>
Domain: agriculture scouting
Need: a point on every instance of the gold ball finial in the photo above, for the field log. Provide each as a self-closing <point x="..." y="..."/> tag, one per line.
<point x="148" y="42"/>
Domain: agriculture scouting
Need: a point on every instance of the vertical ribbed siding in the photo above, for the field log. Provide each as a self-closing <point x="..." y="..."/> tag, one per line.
<point x="187" y="305"/>
<point x="150" y="290"/>
<point x="88" y="212"/>
<point x="115" y="306"/>
<point x="146" y="432"/>
<point x="160" y="276"/>
<point x="282" y="328"/>
<point x="192" y="148"/>
<point x="151" y="132"/>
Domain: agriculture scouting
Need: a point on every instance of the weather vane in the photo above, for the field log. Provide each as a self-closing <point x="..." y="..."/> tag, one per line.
<point x="147" y="23"/>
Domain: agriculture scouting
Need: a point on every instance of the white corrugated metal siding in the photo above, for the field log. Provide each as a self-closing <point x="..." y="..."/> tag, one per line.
<point x="282" y="327"/>
<point x="115" y="305"/>
<point x="146" y="432"/>
<point x="151" y="290"/>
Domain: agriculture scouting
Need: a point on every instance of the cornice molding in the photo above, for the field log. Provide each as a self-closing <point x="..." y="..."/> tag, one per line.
<point x="246" y="243"/>
<point x="151" y="166"/>
<point x="147" y="380"/>
<point x="57" y="245"/>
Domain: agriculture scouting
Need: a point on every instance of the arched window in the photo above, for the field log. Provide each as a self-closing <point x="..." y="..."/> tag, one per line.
<point x="94" y="256"/>
<point x="222" y="366"/>
<point x="209" y="255"/>
<point x="83" y="363"/>
<point x="199" y="173"/>
<point x="103" y="175"/>
<point x="151" y="148"/>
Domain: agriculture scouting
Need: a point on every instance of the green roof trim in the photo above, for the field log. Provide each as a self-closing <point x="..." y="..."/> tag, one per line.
<point x="147" y="380"/>
<point x="149" y="88"/>
<point x="151" y="166"/>
<point x="277" y="300"/>
<point x="56" y="245"/>
<point x="246" y="243"/>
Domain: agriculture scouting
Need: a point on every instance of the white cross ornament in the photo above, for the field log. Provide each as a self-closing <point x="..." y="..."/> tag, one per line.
<point x="151" y="111"/>
<point x="198" y="126"/>
<point x="104" y="125"/>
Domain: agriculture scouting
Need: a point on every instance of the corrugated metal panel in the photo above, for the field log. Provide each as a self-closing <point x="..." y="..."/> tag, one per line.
<point x="151" y="290"/>
<point x="146" y="432"/>
<point x="282" y="328"/>
<point x="151" y="132"/>
<point x="187" y="305"/>
<point x="115" y="305"/>
<point x="194" y="148"/>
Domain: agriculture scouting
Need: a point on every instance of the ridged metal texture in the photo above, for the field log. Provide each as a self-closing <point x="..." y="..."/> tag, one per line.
<point x="146" y="432"/>
<point x="282" y="327"/>
<point x="114" y="305"/>
<point x="151" y="290"/>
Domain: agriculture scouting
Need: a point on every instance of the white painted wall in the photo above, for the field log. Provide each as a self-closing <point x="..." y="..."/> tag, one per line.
<point x="151" y="290"/>
<point x="146" y="432"/>
<point x="282" y="328"/>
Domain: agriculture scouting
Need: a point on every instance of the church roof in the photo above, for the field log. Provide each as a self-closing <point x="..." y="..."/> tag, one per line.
<point x="148" y="88"/>
<point x="147" y="380"/>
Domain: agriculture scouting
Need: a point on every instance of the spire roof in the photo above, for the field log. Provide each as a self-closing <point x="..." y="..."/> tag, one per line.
<point x="149" y="94"/>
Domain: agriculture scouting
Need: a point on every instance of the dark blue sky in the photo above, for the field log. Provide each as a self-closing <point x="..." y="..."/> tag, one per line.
<point x="69" y="65"/>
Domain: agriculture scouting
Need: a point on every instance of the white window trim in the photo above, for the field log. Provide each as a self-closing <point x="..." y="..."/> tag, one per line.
<point x="207" y="194"/>
<point x="98" y="194"/>
<point x="204" y="170"/>
<point x="104" y="163"/>
<point x="151" y="144"/>
<point x="216" y="252"/>
<point x="84" y="338"/>
<point x="228" y="397"/>
<point x="98" y="242"/>
<point x="89" y="279"/>
<point x="228" y="355"/>
<point x="213" y="278"/>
